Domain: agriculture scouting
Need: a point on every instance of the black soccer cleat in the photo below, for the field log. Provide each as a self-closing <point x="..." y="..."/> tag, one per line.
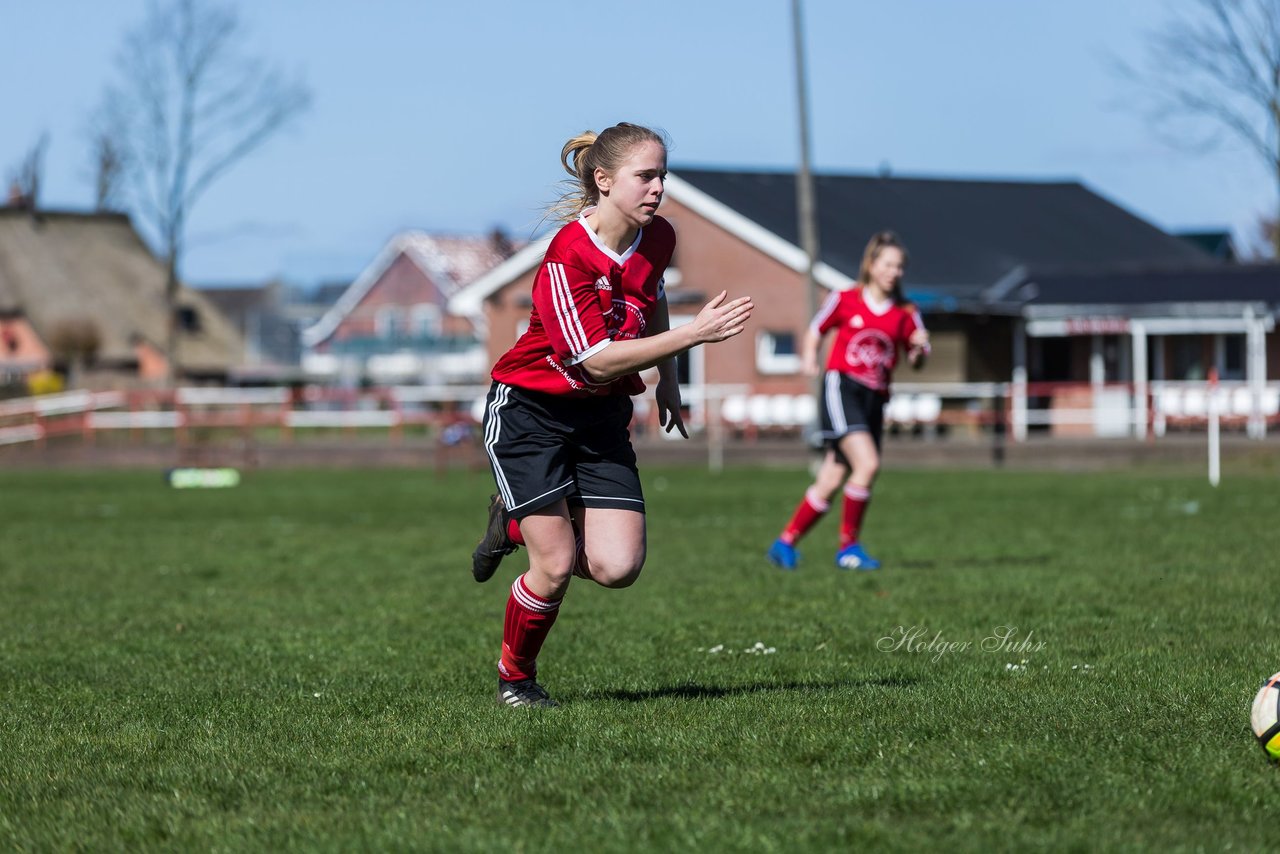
<point x="524" y="692"/>
<point x="495" y="545"/>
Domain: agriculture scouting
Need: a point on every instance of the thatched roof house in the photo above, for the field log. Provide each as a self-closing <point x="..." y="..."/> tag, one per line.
<point x="87" y="281"/>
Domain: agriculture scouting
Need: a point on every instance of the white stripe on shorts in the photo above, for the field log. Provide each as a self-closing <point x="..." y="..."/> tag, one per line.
<point x="613" y="498"/>
<point x="835" y="406"/>
<point x="511" y="508"/>
<point x="492" y="431"/>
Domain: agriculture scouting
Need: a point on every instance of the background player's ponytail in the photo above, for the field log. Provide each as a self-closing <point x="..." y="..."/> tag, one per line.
<point x="588" y="151"/>
<point x="879" y="242"/>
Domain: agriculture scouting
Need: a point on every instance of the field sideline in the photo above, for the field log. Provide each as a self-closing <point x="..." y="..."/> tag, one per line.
<point x="304" y="663"/>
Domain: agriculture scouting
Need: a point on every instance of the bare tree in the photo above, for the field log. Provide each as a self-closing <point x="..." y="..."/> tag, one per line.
<point x="1221" y="63"/>
<point x="108" y="172"/>
<point x="186" y="106"/>
<point x="24" y="181"/>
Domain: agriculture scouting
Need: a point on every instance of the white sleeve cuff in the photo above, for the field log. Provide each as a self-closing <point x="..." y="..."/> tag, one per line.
<point x="588" y="353"/>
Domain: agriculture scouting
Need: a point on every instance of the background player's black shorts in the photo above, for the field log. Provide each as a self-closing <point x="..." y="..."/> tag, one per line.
<point x="544" y="447"/>
<point x="849" y="407"/>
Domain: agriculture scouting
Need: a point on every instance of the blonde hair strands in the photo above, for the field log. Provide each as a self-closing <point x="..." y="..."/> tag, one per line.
<point x="582" y="155"/>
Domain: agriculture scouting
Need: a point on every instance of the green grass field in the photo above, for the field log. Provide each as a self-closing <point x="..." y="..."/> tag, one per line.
<point x="304" y="663"/>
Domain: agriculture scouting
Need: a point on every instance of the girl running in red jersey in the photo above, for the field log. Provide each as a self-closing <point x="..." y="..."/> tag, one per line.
<point x="872" y="321"/>
<point x="556" y="418"/>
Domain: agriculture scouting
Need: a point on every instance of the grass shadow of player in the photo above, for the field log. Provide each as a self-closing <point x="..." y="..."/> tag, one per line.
<point x="695" y="691"/>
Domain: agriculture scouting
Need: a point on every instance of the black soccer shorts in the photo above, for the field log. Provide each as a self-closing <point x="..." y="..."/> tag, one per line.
<point x="545" y="447"/>
<point x="849" y="407"/>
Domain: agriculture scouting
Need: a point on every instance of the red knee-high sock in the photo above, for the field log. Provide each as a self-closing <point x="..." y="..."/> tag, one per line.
<point x="529" y="618"/>
<point x="856" y="499"/>
<point x="811" y="508"/>
<point x="513" y="532"/>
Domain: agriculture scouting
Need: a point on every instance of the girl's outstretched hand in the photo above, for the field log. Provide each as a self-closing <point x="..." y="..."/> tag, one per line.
<point x="720" y="320"/>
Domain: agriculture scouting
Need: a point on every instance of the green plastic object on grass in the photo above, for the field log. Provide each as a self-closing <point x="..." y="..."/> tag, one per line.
<point x="190" y="478"/>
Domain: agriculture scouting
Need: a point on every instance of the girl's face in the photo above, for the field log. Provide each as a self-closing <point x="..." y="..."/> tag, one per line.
<point x="636" y="188"/>
<point x="886" y="271"/>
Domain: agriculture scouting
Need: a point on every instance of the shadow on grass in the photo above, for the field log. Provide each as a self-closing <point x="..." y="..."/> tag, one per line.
<point x="693" y="691"/>
<point x="976" y="562"/>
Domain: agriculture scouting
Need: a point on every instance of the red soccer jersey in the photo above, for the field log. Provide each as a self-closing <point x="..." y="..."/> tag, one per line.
<point x="584" y="297"/>
<point x="868" y="335"/>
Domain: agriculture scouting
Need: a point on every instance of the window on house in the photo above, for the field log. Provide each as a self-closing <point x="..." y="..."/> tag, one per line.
<point x="1233" y="357"/>
<point x="671" y="277"/>
<point x="777" y="353"/>
<point x="426" y="321"/>
<point x="684" y="369"/>
<point x="1187" y="354"/>
<point x="386" y="323"/>
<point x="690" y="369"/>
<point x="188" y="318"/>
<point x="1050" y="359"/>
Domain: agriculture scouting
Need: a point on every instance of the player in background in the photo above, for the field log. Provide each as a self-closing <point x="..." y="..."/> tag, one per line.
<point x="872" y="321"/>
<point x="556" y="418"/>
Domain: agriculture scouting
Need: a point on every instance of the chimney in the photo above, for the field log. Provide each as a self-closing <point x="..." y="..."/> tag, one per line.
<point x="500" y="243"/>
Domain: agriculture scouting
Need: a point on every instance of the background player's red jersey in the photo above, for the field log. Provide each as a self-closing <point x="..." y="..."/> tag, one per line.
<point x="584" y="297"/>
<point x="868" y="335"/>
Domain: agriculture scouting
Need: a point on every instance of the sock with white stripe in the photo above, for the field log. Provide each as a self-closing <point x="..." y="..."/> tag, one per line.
<point x="856" y="499"/>
<point x="811" y="509"/>
<point x="529" y="618"/>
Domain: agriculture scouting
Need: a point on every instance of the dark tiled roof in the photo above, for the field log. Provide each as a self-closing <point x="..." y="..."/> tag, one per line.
<point x="962" y="234"/>
<point x="238" y="302"/>
<point x="1226" y="283"/>
<point x="1217" y="243"/>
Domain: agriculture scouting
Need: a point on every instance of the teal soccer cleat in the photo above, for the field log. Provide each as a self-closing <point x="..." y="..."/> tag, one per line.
<point x="783" y="555"/>
<point x="852" y="556"/>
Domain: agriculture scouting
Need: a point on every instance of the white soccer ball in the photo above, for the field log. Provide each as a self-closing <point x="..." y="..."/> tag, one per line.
<point x="1265" y="716"/>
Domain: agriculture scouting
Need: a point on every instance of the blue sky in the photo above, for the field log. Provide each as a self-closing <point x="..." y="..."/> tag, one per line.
<point x="449" y="116"/>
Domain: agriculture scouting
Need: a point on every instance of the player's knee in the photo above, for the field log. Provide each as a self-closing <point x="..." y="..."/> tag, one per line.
<point x="555" y="577"/>
<point x="618" y="580"/>
<point x="555" y="569"/>
<point x="617" y="571"/>
<point x="830" y="480"/>
<point x="827" y="485"/>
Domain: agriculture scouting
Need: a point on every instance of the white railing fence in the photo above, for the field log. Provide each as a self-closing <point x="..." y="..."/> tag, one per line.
<point x="722" y="412"/>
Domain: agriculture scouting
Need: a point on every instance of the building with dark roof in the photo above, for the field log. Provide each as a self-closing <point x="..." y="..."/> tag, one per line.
<point x="964" y="235"/>
<point x="1219" y="244"/>
<point x="992" y="264"/>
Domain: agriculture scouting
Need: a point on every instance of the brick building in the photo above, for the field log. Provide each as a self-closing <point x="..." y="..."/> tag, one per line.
<point x="393" y="325"/>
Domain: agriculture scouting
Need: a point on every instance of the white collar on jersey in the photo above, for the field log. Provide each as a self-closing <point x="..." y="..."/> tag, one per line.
<point x="595" y="238"/>
<point x="875" y="306"/>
